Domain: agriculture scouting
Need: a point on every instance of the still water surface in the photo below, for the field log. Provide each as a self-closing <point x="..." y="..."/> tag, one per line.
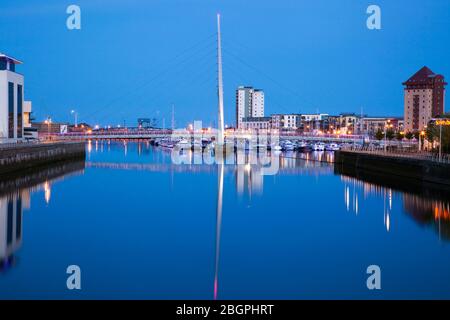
<point x="141" y="227"/>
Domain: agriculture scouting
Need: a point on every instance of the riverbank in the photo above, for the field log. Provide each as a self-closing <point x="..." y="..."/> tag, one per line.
<point x="416" y="169"/>
<point x="17" y="157"/>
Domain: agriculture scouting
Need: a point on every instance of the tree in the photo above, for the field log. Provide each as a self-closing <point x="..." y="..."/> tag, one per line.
<point x="379" y="135"/>
<point x="433" y="134"/>
<point x="390" y="134"/>
<point x="446" y="139"/>
<point x="430" y="132"/>
<point x="409" y="135"/>
<point x="400" y="136"/>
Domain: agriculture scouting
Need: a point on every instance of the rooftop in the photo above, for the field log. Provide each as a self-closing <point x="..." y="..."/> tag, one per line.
<point x="11" y="59"/>
<point x="423" y="76"/>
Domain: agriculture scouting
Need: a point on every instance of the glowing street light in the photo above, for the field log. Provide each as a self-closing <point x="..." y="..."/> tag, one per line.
<point x="388" y="126"/>
<point x="48" y="122"/>
<point x="421" y="137"/>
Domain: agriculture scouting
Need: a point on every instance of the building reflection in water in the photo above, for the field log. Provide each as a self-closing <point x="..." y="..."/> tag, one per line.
<point x="250" y="175"/>
<point x="10" y="229"/>
<point x="249" y="179"/>
<point x="421" y="206"/>
<point x="15" y="195"/>
<point x="246" y="178"/>
<point x="430" y="212"/>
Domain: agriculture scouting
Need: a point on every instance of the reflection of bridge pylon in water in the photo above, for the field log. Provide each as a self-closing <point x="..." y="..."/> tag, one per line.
<point x="220" y="142"/>
<point x="219" y="208"/>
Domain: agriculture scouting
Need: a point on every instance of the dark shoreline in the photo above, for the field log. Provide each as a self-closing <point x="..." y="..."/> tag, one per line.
<point x="12" y="182"/>
<point x="420" y="177"/>
<point x="21" y="157"/>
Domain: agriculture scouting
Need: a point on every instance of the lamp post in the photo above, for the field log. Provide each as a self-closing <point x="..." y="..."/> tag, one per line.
<point x="48" y="122"/>
<point x="421" y="139"/>
<point x="389" y="125"/>
<point x="440" y="142"/>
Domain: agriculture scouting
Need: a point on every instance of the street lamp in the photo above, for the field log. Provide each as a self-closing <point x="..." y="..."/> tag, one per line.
<point x="421" y="138"/>
<point x="48" y="123"/>
<point x="75" y="114"/>
<point x="440" y="142"/>
<point x="388" y="126"/>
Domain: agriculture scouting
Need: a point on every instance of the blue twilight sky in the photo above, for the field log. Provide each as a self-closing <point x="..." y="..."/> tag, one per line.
<point x="136" y="58"/>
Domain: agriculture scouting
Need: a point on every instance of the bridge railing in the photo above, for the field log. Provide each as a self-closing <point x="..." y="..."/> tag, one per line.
<point x="410" y="152"/>
<point x="113" y="133"/>
<point x="24" y="144"/>
<point x="10" y="145"/>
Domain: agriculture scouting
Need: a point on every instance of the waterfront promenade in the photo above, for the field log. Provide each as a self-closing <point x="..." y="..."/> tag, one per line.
<point x="401" y="152"/>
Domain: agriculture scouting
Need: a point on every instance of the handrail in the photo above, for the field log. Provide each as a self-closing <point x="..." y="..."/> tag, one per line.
<point x="13" y="145"/>
<point x="410" y="153"/>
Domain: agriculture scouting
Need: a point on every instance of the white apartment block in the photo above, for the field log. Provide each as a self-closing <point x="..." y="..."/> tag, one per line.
<point x="285" y="121"/>
<point x="314" y="117"/>
<point x="249" y="104"/>
<point x="290" y="121"/>
<point x="11" y="99"/>
<point x="257" y="103"/>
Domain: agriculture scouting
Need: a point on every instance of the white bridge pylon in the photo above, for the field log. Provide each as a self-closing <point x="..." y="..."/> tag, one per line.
<point x="221" y="126"/>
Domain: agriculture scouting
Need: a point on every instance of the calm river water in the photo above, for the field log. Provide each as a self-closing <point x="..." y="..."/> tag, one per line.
<point x="139" y="226"/>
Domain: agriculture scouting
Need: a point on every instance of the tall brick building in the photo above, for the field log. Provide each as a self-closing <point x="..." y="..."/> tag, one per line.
<point x="424" y="98"/>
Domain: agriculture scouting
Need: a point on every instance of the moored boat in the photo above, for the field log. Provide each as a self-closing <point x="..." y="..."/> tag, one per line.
<point x="319" y="146"/>
<point x="332" y="147"/>
<point x="287" y="146"/>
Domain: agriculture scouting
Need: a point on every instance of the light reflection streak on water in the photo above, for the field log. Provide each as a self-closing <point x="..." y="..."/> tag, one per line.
<point x="218" y="226"/>
<point x="47" y="192"/>
<point x="13" y="203"/>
